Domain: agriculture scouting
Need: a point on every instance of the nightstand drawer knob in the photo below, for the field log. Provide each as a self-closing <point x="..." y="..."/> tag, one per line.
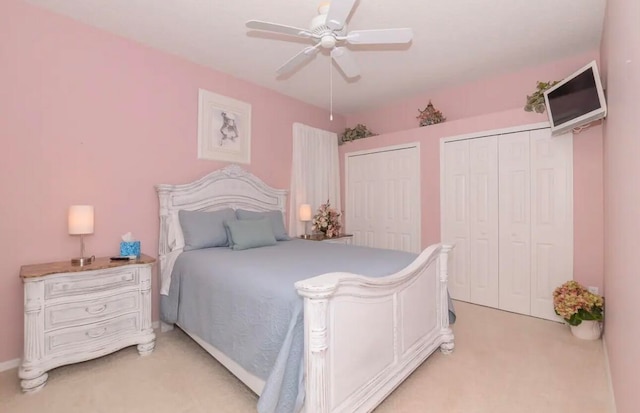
<point x="96" y="309"/>
<point x="96" y="332"/>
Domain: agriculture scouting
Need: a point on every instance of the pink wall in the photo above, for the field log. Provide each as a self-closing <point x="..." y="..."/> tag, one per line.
<point x="89" y="117"/>
<point x="588" y="186"/>
<point x="621" y="54"/>
<point x="490" y="95"/>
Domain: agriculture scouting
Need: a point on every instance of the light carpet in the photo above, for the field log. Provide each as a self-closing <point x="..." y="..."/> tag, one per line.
<point x="503" y="363"/>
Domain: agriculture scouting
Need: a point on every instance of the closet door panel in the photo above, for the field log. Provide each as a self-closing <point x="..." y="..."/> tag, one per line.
<point x="375" y="164"/>
<point x="456" y="216"/>
<point x="400" y="188"/>
<point x="361" y="200"/>
<point x="551" y="218"/>
<point x="483" y="221"/>
<point x="514" y="222"/>
<point x="383" y="199"/>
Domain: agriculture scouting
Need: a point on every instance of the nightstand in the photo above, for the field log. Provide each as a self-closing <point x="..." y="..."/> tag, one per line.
<point x="346" y="239"/>
<point x="73" y="314"/>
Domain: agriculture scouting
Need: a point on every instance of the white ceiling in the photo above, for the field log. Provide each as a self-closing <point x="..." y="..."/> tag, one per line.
<point x="455" y="41"/>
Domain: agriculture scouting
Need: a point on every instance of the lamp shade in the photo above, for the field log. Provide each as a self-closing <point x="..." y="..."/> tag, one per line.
<point x="304" y="214"/>
<point x="80" y="219"/>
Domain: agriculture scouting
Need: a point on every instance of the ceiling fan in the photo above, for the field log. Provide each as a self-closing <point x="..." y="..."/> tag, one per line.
<point x="328" y="30"/>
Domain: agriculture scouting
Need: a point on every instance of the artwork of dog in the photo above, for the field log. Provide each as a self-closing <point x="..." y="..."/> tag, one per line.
<point x="229" y="129"/>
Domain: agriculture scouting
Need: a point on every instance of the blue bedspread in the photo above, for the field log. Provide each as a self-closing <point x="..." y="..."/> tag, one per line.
<point x="244" y="303"/>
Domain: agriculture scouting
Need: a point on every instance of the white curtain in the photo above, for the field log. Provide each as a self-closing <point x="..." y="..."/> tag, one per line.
<point x="315" y="173"/>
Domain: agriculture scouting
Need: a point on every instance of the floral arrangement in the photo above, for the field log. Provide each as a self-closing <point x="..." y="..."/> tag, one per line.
<point x="535" y="102"/>
<point x="351" y="134"/>
<point x="430" y="116"/>
<point x="575" y="303"/>
<point x="327" y="221"/>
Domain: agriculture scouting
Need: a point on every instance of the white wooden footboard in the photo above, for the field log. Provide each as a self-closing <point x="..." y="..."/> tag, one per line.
<point x="364" y="336"/>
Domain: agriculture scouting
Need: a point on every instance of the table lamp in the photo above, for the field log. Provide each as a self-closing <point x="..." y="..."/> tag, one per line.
<point x="304" y="215"/>
<point x="81" y="223"/>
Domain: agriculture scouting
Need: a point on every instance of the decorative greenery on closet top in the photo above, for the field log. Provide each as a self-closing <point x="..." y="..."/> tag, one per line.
<point x="535" y="102"/>
<point x="430" y="116"/>
<point x="351" y="134"/>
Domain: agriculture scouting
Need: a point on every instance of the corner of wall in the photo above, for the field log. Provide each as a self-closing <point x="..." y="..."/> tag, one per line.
<point x="612" y="399"/>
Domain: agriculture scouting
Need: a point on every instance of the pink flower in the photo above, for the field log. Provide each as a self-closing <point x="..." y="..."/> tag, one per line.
<point x="575" y="303"/>
<point x="327" y="220"/>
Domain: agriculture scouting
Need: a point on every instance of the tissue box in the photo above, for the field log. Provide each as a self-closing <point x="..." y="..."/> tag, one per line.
<point x="130" y="248"/>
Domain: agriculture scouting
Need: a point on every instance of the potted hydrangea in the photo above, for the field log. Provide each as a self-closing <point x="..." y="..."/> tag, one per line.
<point x="327" y="221"/>
<point x="580" y="308"/>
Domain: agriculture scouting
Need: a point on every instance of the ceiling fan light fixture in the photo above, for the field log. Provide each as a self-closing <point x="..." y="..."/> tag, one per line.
<point x="328" y="41"/>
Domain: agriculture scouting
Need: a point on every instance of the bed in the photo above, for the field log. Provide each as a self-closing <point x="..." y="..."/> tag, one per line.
<point x="331" y="342"/>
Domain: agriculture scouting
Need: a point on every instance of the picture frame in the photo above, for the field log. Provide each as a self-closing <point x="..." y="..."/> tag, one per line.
<point x="224" y="128"/>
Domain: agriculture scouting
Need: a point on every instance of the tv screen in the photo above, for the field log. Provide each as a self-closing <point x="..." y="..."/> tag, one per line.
<point x="576" y="101"/>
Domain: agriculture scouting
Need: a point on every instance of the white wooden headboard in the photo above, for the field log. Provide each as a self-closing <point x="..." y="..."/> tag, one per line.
<point x="230" y="187"/>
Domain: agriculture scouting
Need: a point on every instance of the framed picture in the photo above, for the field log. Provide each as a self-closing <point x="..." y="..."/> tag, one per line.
<point x="224" y="128"/>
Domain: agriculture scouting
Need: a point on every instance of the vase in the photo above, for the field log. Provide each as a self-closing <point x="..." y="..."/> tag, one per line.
<point x="587" y="330"/>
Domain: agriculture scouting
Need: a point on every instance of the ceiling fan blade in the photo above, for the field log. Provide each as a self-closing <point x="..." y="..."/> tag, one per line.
<point x="382" y="36"/>
<point x="278" y="28"/>
<point x="297" y="60"/>
<point x="338" y="13"/>
<point x="345" y="61"/>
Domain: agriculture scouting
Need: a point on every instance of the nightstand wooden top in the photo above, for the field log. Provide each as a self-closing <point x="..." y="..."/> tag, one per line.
<point x="316" y="237"/>
<point x="39" y="270"/>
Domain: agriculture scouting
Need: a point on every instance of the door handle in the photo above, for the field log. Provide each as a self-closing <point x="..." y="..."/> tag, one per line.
<point x="96" y="309"/>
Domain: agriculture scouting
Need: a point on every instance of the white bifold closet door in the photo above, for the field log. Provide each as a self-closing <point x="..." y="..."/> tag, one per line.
<point x="551" y="218"/>
<point x="470" y="214"/>
<point x="507" y="203"/>
<point x="515" y="223"/>
<point x="383" y="198"/>
<point x="455" y="215"/>
<point x="483" y="220"/>
<point x="536" y="220"/>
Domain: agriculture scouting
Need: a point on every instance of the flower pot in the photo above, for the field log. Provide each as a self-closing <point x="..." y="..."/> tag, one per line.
<point x="587" y="330"/>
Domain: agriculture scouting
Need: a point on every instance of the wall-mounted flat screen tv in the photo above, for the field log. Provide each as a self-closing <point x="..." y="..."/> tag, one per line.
<point x="576" y="101"/>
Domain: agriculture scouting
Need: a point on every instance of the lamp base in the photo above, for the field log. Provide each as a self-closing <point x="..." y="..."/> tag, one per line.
<point x="82" y="261"/>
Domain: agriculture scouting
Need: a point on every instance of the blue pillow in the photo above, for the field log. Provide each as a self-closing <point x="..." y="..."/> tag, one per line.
<point x="252" y="233"/>
<point x="276" y="218"/>
<point x="205" y="229"/>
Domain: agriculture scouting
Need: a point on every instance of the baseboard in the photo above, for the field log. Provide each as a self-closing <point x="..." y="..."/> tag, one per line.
<point x="612" y="401"/>
<point x="9" y="364"/>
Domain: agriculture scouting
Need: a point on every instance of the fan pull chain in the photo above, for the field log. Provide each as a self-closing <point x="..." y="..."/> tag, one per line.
<point x="330" y="91"/>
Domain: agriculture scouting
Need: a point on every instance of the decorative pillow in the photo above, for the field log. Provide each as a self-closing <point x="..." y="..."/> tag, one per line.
<point x="252" y="233"/>
<point x="202" y="229"/>
<point x="276" y="218"/>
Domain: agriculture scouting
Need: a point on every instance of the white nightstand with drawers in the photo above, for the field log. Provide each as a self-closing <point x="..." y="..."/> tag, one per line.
<point x="73" y="314"/>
